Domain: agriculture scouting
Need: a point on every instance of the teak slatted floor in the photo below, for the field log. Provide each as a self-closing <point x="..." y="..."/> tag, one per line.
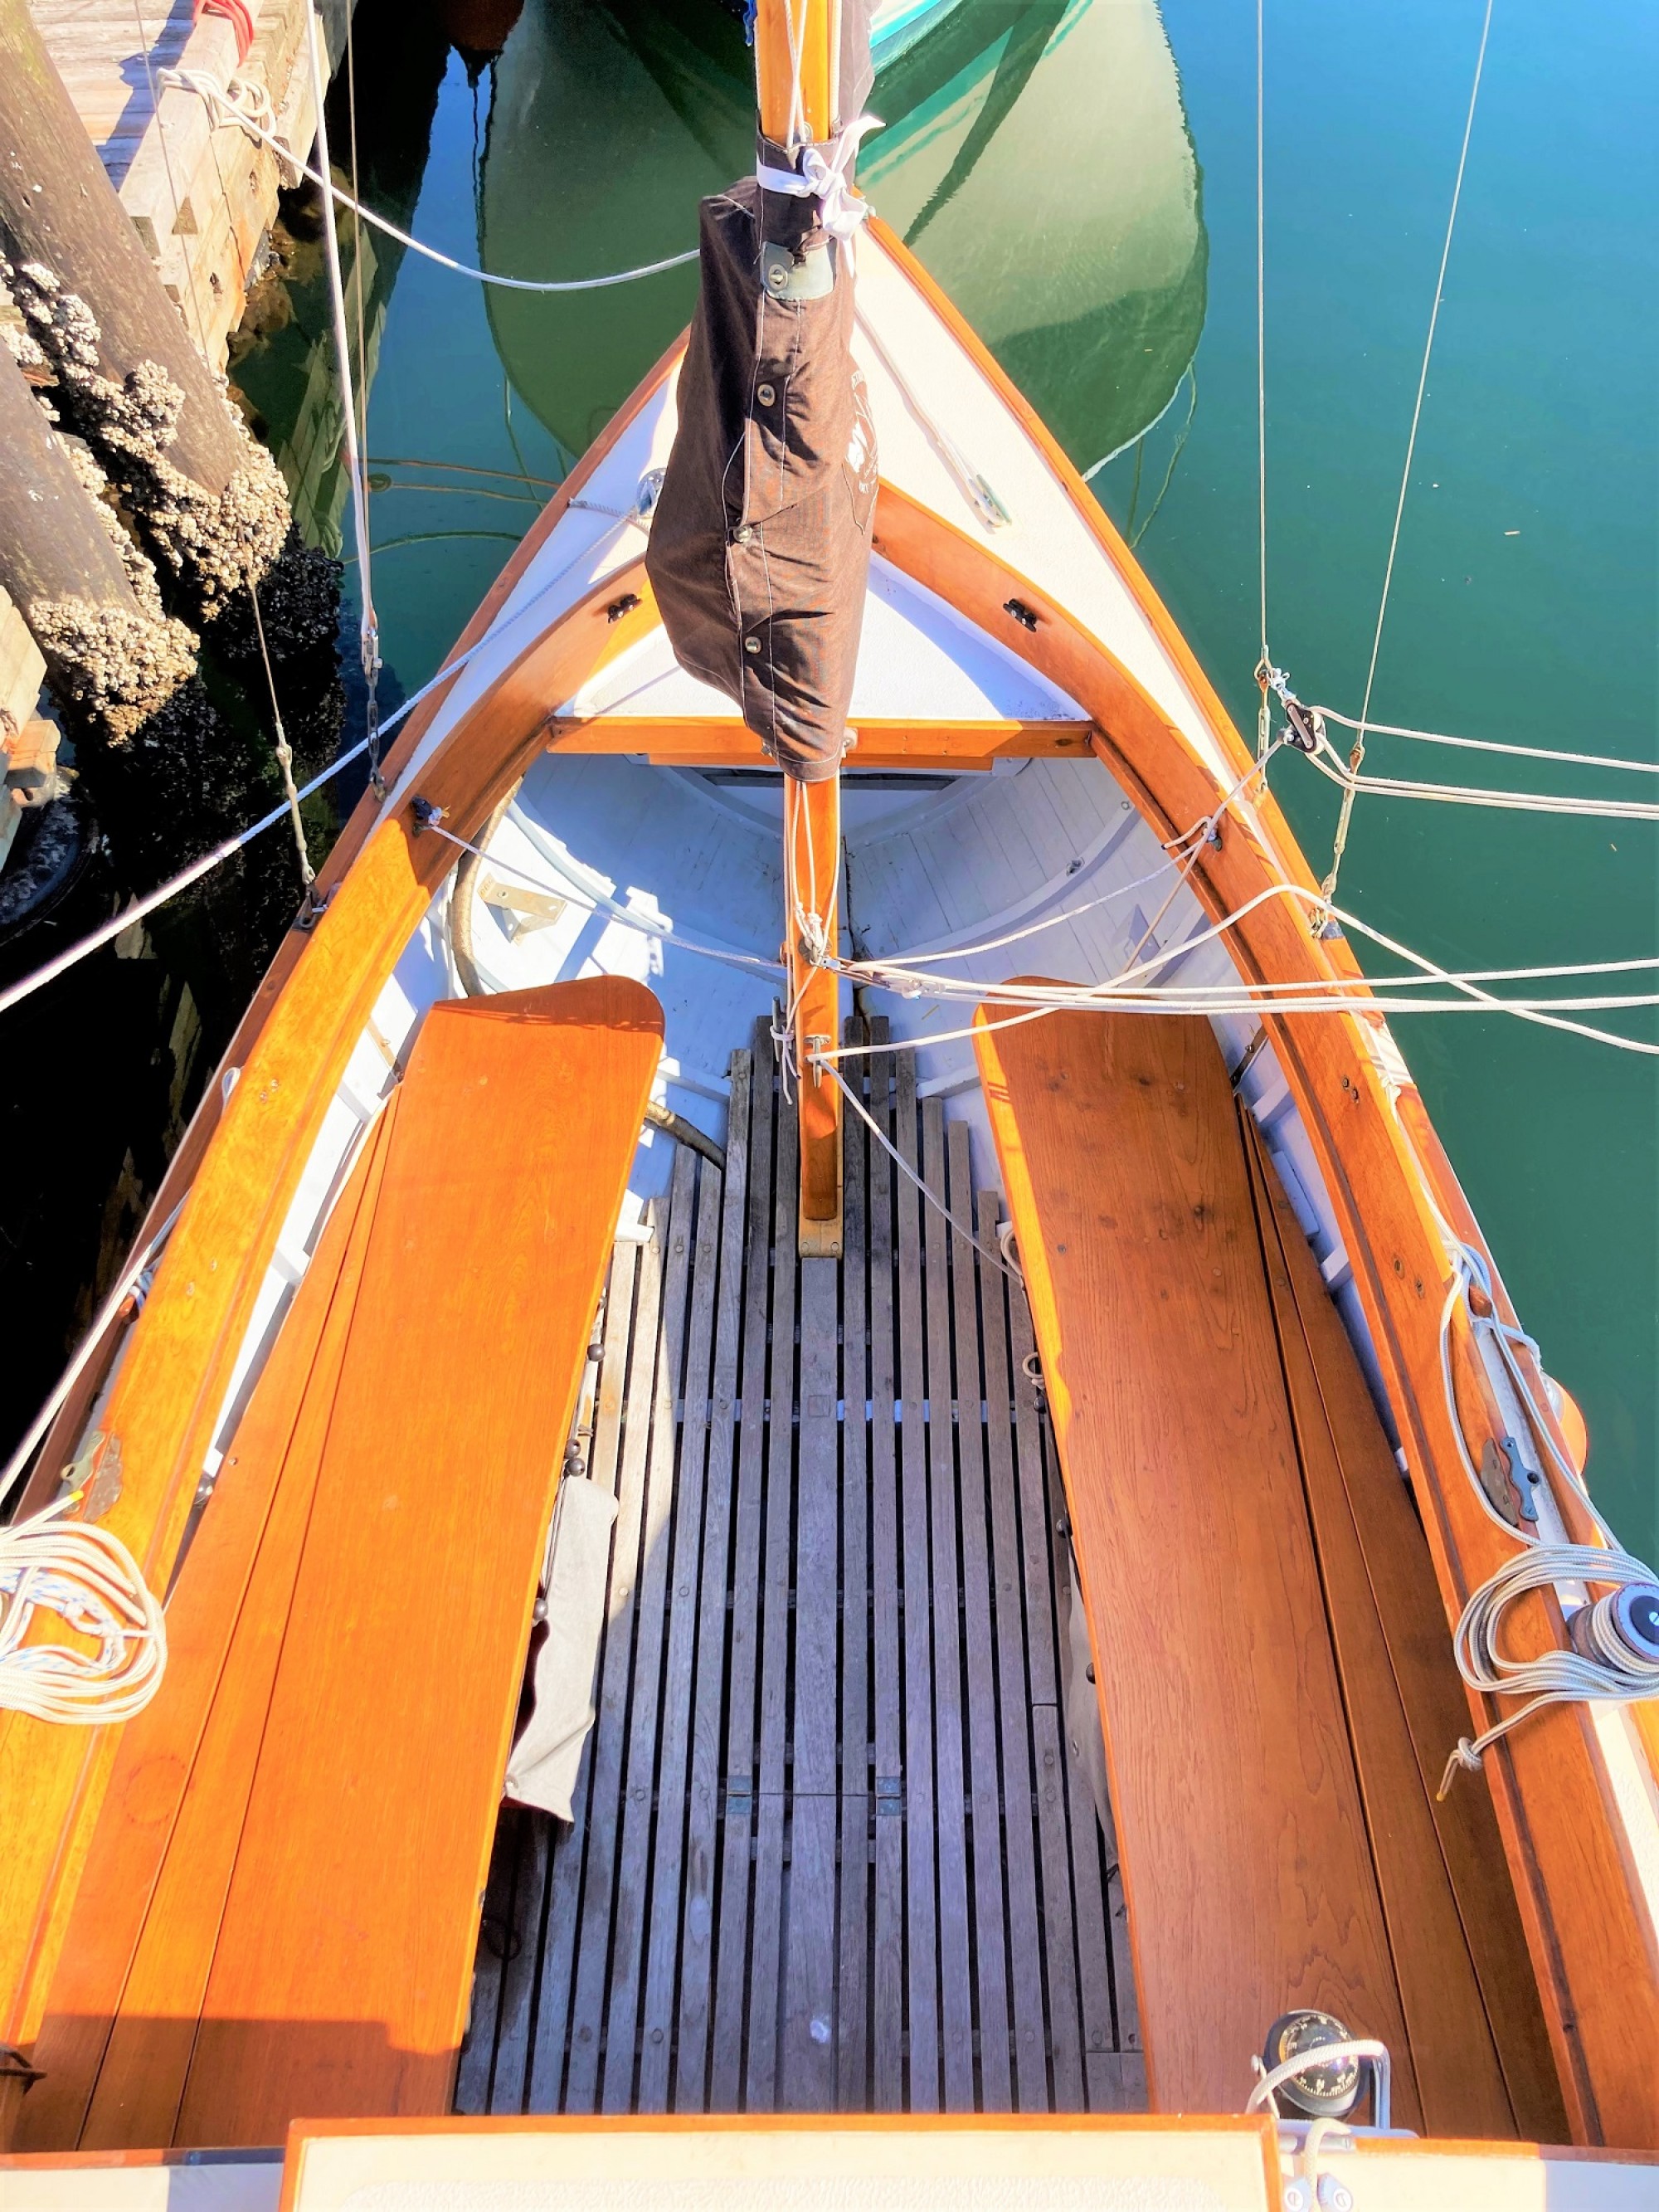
<point x="829" y="1849"/>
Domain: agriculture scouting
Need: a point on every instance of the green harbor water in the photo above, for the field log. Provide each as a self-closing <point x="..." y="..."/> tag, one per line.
<point x="1080" y="176"/>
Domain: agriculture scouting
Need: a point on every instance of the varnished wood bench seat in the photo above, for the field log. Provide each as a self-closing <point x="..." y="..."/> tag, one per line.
<point x="279" y="1909"/>
<point x="1272" y="1665"/>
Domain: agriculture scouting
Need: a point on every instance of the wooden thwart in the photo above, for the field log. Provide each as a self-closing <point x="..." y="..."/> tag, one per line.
<point x="318" y="1794"/>
<point x="1273" y="1663"/>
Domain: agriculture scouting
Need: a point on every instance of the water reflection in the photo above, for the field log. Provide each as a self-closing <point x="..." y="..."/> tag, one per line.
<point x="1035" y="156"/>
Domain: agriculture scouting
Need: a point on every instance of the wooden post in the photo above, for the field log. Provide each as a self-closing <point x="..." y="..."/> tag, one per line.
<point x="811" y="811"/>
<point x="211" y="500"/>
<point x="109" y="652"/>
<point x="812" y="851"/>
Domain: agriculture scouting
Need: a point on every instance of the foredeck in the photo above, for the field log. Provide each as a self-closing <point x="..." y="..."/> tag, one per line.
<point x="829" y="1851"/>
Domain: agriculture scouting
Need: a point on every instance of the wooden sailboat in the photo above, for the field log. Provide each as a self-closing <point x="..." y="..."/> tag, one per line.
<point x="1141" y="1310"/>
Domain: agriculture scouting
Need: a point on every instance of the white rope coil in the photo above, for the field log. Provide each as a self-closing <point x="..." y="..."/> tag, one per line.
<point x="89" y="1579"/>
<point x="1611" y="1671"/>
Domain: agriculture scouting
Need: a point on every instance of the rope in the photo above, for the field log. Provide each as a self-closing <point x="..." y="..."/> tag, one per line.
<point x="283" y="749"/>
<point x="1616" y="1657"/>
<point x="88" y="1578"/>
<point x="1264" y="716"/>
<point x="972" y="485"/>
<point x="1611" y="1671"/>
<point x="827" y="1067"/>
<point x="826" y="179"/>
<point x="209" y="88"/>
<point x="97" y="938"/>
<point x="134" y="1283"/>
<point x="369" y="627"/>
<point x="1357" y="757"/>
<point x="1315" y="995"/>
<point x="1331" y="765"/>
<point x="1491" y="745"/>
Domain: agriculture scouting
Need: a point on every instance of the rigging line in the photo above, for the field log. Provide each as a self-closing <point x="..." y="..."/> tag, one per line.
<point x="108" y="932"/>
<point x="226" y="112"/>
<point x="1264" y="716"/>
<point x="1329" y="764"/>
<point x="1099" y="996"/>
<point x="369" y="627"/>
<point x="284" y="750"/>
<point x="129" y="1281"/>
<point x="1357" y="754"/>
<point x="899" y="1160"/>
<point x="1179" y="448"/>
<point x="459" y="468"/>
<point x="1491" y="745"/>
<point x="356" y="255"/>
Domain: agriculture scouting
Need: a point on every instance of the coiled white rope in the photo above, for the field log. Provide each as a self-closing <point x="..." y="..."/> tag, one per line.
<point x="226" y="111"/>
<point x="1613" y="1669"/>
<point x="89" y="1579"/>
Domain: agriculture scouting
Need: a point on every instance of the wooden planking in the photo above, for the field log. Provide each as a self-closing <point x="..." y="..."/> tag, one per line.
<point x="1477" y="2029"/>
<point x="888" y="1826"/>
<point x="711" y="741"/>
<point x="820" y="2007"/>
<point x="808" y="2054"/>
<point x="549" y="2045"/>
<point x="921" y="1926"/>
<point x="1450" y="2052"/>
<point x="990" y="1953"/>
<point x="509" y="2078"/>
<point x="475" y="2071"/>
<point x="852" y="2076"/>
<point x="158" y="1749"/>
<point x="674" y="1787"/>
<point x="605" y="1830"/>
<point x="702" y="1824"/>
<point x="142" y="2082"/>
<point x="634" y="1863"/>
<point x="1158" y="1354"/>
<point x="1030" y="2078"/>
<point x="766" y="1937"/>
<point x="1037" y="1535"/>
<point x="725" y="2072"/>
<point x="338" y="1982"/>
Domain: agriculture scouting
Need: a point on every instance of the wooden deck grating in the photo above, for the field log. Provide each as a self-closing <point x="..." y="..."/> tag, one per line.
<point x="829" y="1852"/>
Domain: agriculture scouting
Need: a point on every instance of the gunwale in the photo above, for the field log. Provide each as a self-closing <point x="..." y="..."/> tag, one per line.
<point x="1575" y="1865"/>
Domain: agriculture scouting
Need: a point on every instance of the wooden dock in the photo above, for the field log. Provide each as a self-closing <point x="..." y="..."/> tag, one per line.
<point x="829" y="1851"/>
<point x="203" y="199"/>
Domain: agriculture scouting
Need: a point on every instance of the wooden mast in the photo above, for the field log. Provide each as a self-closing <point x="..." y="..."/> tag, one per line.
<point x="811" y="811"/>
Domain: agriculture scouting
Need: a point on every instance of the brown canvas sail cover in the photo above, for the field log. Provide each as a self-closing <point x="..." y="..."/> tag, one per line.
<point x="760" y="542"/>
